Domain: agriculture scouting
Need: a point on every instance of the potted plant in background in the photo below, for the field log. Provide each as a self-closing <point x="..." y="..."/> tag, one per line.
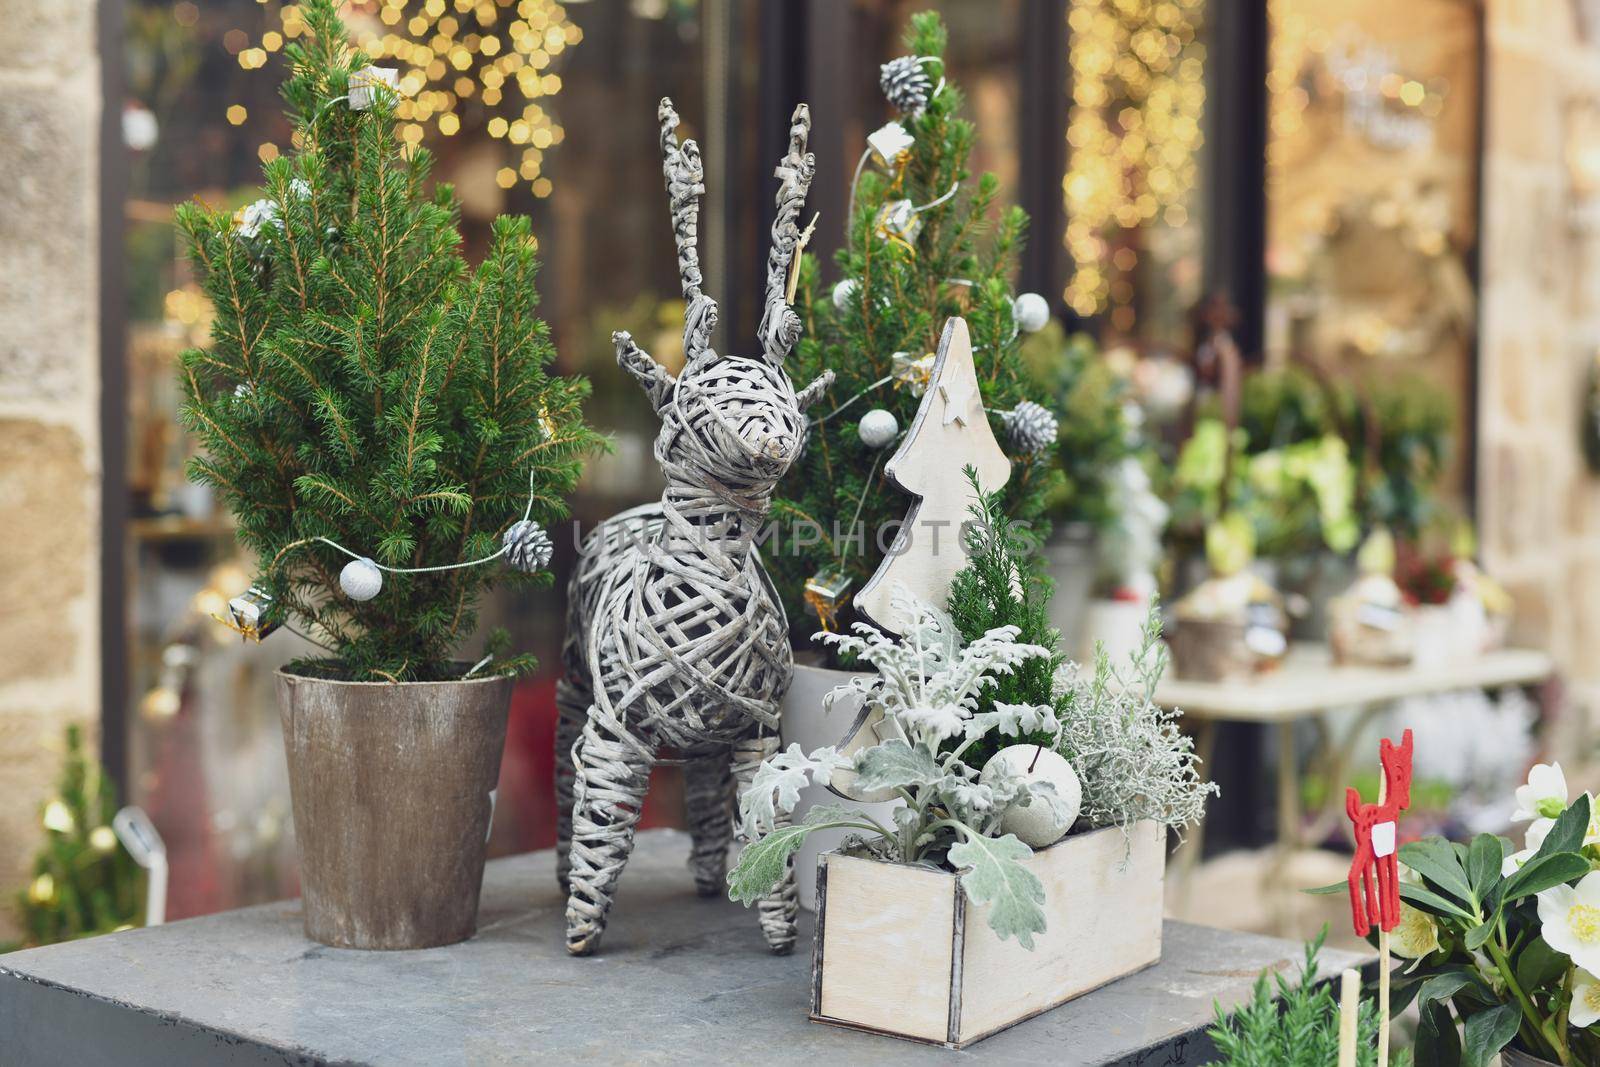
<point x="380" y="421"/>
<point x="1097" y="437"/>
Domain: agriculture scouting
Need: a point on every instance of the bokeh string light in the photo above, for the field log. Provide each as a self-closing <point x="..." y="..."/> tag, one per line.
<point x="484" y="63"/>
<point x="1133" y="140"/>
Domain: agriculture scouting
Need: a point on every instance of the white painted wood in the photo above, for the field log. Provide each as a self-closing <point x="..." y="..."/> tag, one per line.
<point x="1103" y="922"/>
<point x="887" y="935"/>
<point x="1308" y="682"/>
<point x="950" y="432"/>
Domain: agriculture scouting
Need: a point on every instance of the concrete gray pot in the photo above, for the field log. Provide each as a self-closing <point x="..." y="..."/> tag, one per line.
<point x="393" y="789"/>
<point x="1071" y="560"/>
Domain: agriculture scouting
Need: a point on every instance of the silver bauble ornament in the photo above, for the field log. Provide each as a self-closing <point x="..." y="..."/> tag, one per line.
<point x="905" y="84"/>
<point x="1030" y="311"/>
<point x="528" y="547"/>
<point x="1038" y="824"/>
<point x="1030" y="428"/>
<point x="361" y="579"/>
<point x="843" y="292"/>
<point x="877" y="428"/>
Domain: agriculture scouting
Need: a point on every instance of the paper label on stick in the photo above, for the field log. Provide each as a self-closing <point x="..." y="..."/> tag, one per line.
<point x="1383" y="839"/>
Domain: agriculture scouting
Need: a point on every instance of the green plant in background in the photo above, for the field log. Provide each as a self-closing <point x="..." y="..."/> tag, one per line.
<point x="1297" y="498"/>
<point x="877" y="327"/>
<point x="83" y="881"/>
<point x="1288" y="1024"/>
<point x="1095" y="434"/>
<point x="928" y="688"/>
<point x="1402" y="463"/>
<point x="364" y="385"/>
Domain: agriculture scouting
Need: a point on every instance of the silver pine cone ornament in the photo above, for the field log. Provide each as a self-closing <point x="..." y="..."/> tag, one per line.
<point x="528" y="547"/>
<point x="1030" y="428"/>
<point x="906" y="84"/>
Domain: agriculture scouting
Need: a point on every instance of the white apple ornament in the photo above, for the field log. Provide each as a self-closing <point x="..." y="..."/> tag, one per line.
<point x="1038" y="824"/>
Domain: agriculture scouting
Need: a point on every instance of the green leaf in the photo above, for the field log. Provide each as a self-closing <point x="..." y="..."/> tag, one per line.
<point x="1542" y="872"/>
<point x="1478" y="935"/>
<point x="1443" y="986"/>
<point x="895" y="765"/>
<point x="1567" y="835"/>
<point x="1435" y="860"/>
<point x="1437" y="1043"/>
<point x="1538" y="964"/>
<point x="1432" y="902"/>
<point x="1488" y="1032"/>
<point x="997" y="878"/>
<point x="1328" y="890"/>
<point x="763" y="863"/>
<point x="1483" y="864"/>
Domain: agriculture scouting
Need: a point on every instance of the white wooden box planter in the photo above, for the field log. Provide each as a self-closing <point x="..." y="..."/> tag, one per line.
<point x="900" y="950"/>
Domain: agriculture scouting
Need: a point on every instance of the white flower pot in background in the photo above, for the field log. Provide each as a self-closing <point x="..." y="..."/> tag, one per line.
<point x="1116" y="624"/>
<point x="1070" y="560"/>
<point x="807" y="725"/>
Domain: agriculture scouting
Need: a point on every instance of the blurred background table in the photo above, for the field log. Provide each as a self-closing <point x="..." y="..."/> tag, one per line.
<point x="1306" y="686"/>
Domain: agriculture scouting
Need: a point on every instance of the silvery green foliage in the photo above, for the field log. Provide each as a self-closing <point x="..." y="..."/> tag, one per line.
<point x="1132" y="758"/>
<point x="928" y="687"/>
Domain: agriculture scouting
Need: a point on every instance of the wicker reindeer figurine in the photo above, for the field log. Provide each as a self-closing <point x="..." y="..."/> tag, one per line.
<point x="676" y="641"/>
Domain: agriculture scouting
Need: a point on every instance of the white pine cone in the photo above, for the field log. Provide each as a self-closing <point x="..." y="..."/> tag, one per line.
<point x="1031" y="428"/>
<point x="528" y="547"/>
<point x="905" y="84"/>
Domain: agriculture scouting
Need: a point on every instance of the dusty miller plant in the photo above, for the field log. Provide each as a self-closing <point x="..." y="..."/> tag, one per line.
<point x="929" y="688"/>
<point x="1133" y="760"/>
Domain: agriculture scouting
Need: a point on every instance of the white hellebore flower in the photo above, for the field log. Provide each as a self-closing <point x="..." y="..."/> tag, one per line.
<point x="1534" y="838"/>
<point x="1585" y="1000"/>
<point x="1513" y="863"/>
<point x="249" y="221"/>
<point x="1415" y="935"/>
<point x="1545" y="795"/>
<point x="1569" y="919"/>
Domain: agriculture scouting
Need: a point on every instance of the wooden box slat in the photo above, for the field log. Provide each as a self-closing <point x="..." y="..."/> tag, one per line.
<point x="900" y="950"/>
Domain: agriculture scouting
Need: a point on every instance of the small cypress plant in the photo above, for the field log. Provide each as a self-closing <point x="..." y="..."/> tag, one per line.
<point x="365" y="385"/>
<point x="896" y="286"/>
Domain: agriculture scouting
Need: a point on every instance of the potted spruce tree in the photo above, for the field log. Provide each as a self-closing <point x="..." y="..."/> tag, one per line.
<point x="926" y="241"/>
<point x="380" y="419"/>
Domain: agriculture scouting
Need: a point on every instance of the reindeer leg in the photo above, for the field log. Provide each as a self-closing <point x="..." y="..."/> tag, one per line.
<point x="1374" y="905"/>
<point x="572" y="709"/>
<point x="1358" y="914"/>
<point x="1389" y="876"/>
<point x="613" y="775"/>
<point x="778" y="909"/>
<point x="708" y="800"/>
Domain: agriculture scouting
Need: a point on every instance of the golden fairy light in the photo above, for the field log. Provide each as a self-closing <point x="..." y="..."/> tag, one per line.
<point x="483" y="63"/>
<point x="1133" y="139"/>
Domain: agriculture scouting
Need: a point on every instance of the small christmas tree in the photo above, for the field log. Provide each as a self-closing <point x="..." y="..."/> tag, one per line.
<point x="374" y="412"/>
<point x="83" y="883"/>
<point x="912" y="260"/>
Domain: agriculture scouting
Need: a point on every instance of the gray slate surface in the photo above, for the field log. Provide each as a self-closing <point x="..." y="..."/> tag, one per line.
<point x="680" y="979"/>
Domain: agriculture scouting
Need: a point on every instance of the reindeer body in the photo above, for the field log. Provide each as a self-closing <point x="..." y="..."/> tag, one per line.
<point x="1375" y="827"/>
<point x="676" y="638"/>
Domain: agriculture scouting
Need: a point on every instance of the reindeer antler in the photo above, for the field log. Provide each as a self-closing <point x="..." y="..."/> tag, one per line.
<point x="686" y="179"/>
<point x="780" y="326"/>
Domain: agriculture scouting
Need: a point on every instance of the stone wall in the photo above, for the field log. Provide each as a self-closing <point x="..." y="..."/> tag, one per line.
<point x="1538" y="507"/>
<point x="50" y="98"/>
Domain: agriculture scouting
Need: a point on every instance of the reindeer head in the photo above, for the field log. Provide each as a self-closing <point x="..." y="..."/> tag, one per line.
<point x="729" y="422"/>
<point x="1396" y="763"/>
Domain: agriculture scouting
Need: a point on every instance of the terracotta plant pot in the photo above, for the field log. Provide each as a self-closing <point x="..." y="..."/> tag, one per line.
<point x="393" y="790"/>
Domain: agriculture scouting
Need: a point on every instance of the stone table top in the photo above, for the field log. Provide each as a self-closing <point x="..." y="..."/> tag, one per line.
<point x="679" y="979"/>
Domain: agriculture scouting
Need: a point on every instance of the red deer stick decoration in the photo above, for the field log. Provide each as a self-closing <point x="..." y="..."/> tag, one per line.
<point x="1374" y="872"/>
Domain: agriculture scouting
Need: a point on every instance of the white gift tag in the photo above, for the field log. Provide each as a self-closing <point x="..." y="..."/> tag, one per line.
<point x="1383" y="839"/>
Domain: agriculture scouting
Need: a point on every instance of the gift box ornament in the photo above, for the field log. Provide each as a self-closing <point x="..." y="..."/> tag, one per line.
<point x="365" y="83"/>
<point x="250" y="613"/>
<point x="898" y="221"/>
<point x="887" y="143"/>
<point x="827" y="592"/>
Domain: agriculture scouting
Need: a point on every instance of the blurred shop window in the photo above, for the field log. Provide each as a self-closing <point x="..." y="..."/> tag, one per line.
<point x="1133" y="187"/>
<point x="1372" y="187"/>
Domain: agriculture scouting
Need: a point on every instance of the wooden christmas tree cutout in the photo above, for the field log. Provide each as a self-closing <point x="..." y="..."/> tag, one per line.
<point x="950" y="432"/>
